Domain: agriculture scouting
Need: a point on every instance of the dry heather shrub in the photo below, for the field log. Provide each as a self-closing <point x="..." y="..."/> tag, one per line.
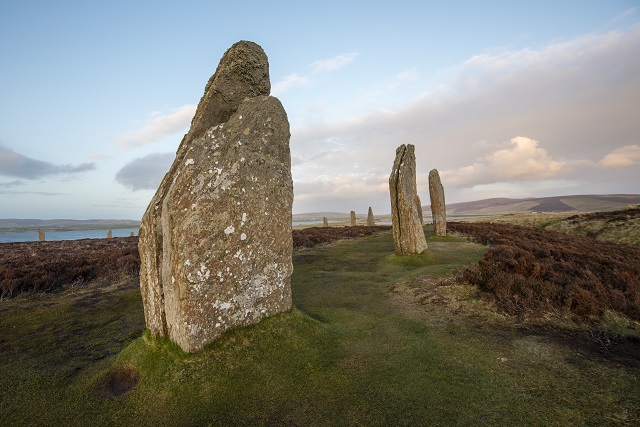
<point x="534" y="270"/>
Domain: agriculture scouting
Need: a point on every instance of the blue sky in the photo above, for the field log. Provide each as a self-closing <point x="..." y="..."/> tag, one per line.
<point x="504" y="98"/>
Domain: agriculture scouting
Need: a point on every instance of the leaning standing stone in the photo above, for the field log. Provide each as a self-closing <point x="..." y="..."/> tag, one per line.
<point x="215" y="242"/>
<point x="438" y="208"/>
<point x="408" y="234"/>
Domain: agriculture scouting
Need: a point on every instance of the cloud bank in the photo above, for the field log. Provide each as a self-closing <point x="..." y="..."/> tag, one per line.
<point x="17" y="165"/>
<point x="145" y="173"/>
<point x="555" y="119"/>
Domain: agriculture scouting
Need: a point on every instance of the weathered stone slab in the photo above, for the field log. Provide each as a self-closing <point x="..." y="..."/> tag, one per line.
<point x="215" y="241"/>
<point x="353" y="218"/>
<point x="370" y="219"/>
<point x="408" y="234"/>
<point x="438" y="207"/>
<point x="109" y="234"/>
<point x="40" y="235"/>
<point x="325" y="221"/>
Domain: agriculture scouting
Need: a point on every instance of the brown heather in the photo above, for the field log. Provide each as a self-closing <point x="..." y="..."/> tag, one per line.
<point x="532" y="271"/>
<point x="31" y="267"/>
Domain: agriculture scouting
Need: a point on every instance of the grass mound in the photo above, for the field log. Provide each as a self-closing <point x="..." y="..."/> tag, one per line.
<point x="531" y="270"/>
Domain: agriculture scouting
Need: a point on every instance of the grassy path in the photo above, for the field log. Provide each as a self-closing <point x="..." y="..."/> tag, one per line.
<point x="374" y="339"/>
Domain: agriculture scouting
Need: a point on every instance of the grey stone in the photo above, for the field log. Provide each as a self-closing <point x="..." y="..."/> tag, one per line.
<point x="438" y="207"/>
<point x="353" y="218"/>
<point x="408" y="234"/>
<point x="325" y="221"/>
<point x="370" y="219"/>
<point x="215" y="241"/>
<point x="40" y="235"/>
<point x="109" y="234"/>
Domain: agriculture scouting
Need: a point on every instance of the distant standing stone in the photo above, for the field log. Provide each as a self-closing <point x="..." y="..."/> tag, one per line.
<point x="40" y="235"/>
<point x="438" y="208"/>
<point x="131" y="234"/>
<point x="353" y="218"/>
<point x="215" y="241"/>
<point x="370" y="219"/>
<point x="109" y="234"/>
<point x="408" y="234"/>
<point x="325" y="221"/>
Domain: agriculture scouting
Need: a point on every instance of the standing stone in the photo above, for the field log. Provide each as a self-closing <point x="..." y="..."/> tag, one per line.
<point x="40" y="235"/>
<point x="353" y="218"/>
<point x="408" y="234"/>
<point x="109" y="234"/>
<point x="131" y="234"/>
<point x="370" y="220"/>
<point x="325" y="221"/>
<point x="438" y="208"/>
<point x="215" y="241"/>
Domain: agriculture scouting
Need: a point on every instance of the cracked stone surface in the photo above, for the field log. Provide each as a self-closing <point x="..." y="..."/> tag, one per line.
<point x="215" y="241"/>
<point x="408" y="234"/>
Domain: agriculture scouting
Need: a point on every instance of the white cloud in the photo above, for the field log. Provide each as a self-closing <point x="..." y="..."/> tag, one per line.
<point x="626" y="156"/>
<point x="159" y="126"/>
<point x="522" y="160"/>
<point x="292" y="80"/>
<point x="333" y="64"/>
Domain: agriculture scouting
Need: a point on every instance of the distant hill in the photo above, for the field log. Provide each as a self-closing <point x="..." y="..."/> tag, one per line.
<point x="577" y="203"/>
<point x="13" y="224"/>
<point x="503" y="206"/>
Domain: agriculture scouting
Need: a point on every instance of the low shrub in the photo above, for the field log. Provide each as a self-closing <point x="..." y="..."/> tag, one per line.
<point x="29" y="267"/>
<point x="532" y="270"/>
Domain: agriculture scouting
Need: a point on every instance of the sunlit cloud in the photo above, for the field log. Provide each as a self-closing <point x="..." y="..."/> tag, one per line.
<point x="159" y="126"/>
<point x="626" y="156"/>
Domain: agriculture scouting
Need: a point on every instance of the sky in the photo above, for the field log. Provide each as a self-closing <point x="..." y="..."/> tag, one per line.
<point x="504" y="98"/>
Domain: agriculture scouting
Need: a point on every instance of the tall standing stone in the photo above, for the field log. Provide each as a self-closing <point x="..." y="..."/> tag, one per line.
<point x="353" y="218"/>
<point x="325" y="221"/>
<point x="370" y="219"/>
<point x="40" y="235"/>
<point x="215" y="241"/>
<point x="438" y="208"/>
<point x="408" y="234"/>
<point x="109" y="234"/>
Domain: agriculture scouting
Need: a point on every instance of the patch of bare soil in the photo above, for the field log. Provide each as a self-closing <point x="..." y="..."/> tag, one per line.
<point x="116" y="382"/>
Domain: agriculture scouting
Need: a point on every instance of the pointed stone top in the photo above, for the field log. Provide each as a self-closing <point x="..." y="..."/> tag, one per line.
<point x="243" y="72"/>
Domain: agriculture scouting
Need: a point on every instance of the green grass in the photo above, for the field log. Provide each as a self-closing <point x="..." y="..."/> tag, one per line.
<point x="363" y="346"/>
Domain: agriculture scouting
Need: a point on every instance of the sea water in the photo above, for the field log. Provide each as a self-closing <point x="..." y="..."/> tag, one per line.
<point x="32" y="236"/>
